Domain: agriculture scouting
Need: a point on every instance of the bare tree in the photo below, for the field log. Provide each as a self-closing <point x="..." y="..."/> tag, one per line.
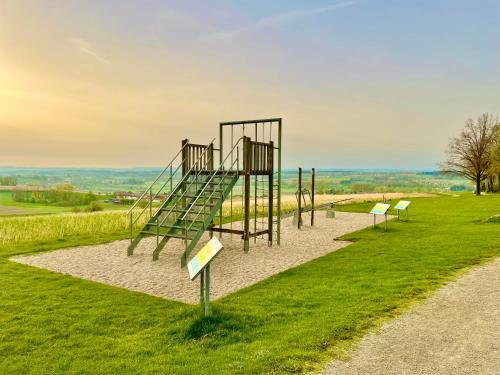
<point x="494" y="168"/>
<point x="469" y="153"/>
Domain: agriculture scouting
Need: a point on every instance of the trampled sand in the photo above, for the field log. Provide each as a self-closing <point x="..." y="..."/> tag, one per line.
<point x="230" y="271"/>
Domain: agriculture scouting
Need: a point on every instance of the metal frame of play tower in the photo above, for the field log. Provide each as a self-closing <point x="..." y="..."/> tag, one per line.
<point x="261" y="187"/>
<point x="192" y="189"/>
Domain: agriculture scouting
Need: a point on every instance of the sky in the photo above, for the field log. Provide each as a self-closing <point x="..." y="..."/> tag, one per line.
<point x="358" y="83"/>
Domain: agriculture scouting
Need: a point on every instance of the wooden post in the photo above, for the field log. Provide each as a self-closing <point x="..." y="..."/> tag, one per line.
<point x="313" y="180"/>
<point x="255" y="166"/>
<point x="221" y="159"/>
<point x="185" y="161"/>
<point x="299" y="208"/>
<point x="210" y="157"/>
<point x="207" y="289"/>
<point x="202" y="288"/>
<point x="270" y="170"/>
<point x="246" y="167"/>
<point x="185" y="165"/>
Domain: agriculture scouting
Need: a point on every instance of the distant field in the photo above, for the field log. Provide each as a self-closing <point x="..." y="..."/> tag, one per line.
<point x="10" y="207"/>
<point x="331" y="185"/>
<point x="9" y="210"/>
<point x="329" y="181"/>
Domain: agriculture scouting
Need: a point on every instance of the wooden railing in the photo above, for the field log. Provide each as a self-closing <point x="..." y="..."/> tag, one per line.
<point x="200" y="156"/>
<point x="258" y="157"/>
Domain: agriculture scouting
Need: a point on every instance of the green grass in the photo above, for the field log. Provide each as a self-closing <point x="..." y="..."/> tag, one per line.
<point x="6" y="200"/>
<point x="41" y="208"/>
<point x="292" y="322"/>
<point x="17" y="230"/>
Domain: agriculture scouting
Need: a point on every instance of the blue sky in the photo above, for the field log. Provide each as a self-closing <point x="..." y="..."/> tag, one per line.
<point x="360" y="84"/>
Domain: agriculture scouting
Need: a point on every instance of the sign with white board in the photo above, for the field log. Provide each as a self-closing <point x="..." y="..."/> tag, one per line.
<point x="380" y="209"/>
<point x="204" y="256"/>
<point x="200" y="265"/>
<point x="402" y="205"/>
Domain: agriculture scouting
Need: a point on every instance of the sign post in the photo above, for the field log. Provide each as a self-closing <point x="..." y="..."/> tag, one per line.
<point x="200" y="265"/>
<point x="380" y="209"/>
<point x="402" y="206"/>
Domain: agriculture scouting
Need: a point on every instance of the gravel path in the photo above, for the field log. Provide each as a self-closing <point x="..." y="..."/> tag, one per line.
<point x="456" y="331"/>
<point x="230" y="271"/>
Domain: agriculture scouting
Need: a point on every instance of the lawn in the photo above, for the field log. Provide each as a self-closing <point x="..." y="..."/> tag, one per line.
<point x="292" y="322"/>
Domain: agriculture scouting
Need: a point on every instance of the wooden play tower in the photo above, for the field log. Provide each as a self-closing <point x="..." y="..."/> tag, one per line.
<point x="194" y="194"/>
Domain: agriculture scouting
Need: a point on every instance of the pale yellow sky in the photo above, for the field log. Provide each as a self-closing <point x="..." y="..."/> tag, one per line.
<point x="120" y="84"/>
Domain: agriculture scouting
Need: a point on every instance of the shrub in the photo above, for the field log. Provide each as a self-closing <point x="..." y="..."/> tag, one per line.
<point x="94" y="207"/>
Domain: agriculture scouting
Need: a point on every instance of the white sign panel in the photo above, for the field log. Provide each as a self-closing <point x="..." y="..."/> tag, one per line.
<point x="380" y="209"/>
<point x="204" y="256"/>
<point x="402" y="205"/>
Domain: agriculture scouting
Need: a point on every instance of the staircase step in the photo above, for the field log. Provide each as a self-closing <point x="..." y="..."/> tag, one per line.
<point x="173" y="235"/>
<point x="200" y="204"/>
<point x="179" y="227"/>
<point x="183" y="211"/>
<point x="201" y="196"/>
<point x="181" y="236"/>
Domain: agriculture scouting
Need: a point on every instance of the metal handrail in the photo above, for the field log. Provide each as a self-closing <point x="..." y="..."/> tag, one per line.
<point x="181" y="181"/>
<point x="213" y="192"/>
<point x="156" y="196"/>
<point x="157" y="178"/>
<point x="221" y="168"/>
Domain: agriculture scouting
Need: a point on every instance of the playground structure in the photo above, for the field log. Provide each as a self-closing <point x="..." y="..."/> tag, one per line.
<point x="301" y="195"/>
<point x="192" y="189"/>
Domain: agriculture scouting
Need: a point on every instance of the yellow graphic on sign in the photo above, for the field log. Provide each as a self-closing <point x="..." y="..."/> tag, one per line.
<point x="380" y="209"/>
<point x="204" y="256"/>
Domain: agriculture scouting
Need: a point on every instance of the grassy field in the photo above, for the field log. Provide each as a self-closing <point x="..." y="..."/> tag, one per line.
<point x="292" y="322"/>
<point x="328" y="181"/>
<point x="16" y="230"/>
<point x="6" y="202"/>
<point x="9" y="207"/>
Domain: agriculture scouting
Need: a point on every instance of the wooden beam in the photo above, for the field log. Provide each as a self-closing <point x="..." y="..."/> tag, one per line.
<point x="313" y="180"/>
<point x="226" y="230"/>
<point x="299" y="196"/>
<point x="270" y="167"/>
<point x="246" y="166"/>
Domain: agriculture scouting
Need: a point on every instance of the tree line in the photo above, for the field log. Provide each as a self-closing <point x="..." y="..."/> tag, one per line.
<point x="53" y="197"/>
<point x="8" y="181"/>
<point x="475" y="153"/>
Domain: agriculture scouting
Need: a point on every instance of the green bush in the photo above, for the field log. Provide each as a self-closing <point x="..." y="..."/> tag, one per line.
<point x="8" y="181"/>
<point x="54" y="197"/>
<point x="94" y="207"/>
<point x="127" y="201"/>
<point x="494" y="219"/>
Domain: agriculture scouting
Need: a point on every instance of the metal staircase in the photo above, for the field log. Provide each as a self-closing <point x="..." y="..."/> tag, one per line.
<point x="188" y="207"/>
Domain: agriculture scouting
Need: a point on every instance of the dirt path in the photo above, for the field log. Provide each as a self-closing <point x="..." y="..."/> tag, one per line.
<point x="456" y="331"/>
<point x="11" y="210"/>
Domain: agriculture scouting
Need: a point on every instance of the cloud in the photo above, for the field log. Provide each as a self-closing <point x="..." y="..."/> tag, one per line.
<point x="87" y="48"/>
<point x="274" y="20"/>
